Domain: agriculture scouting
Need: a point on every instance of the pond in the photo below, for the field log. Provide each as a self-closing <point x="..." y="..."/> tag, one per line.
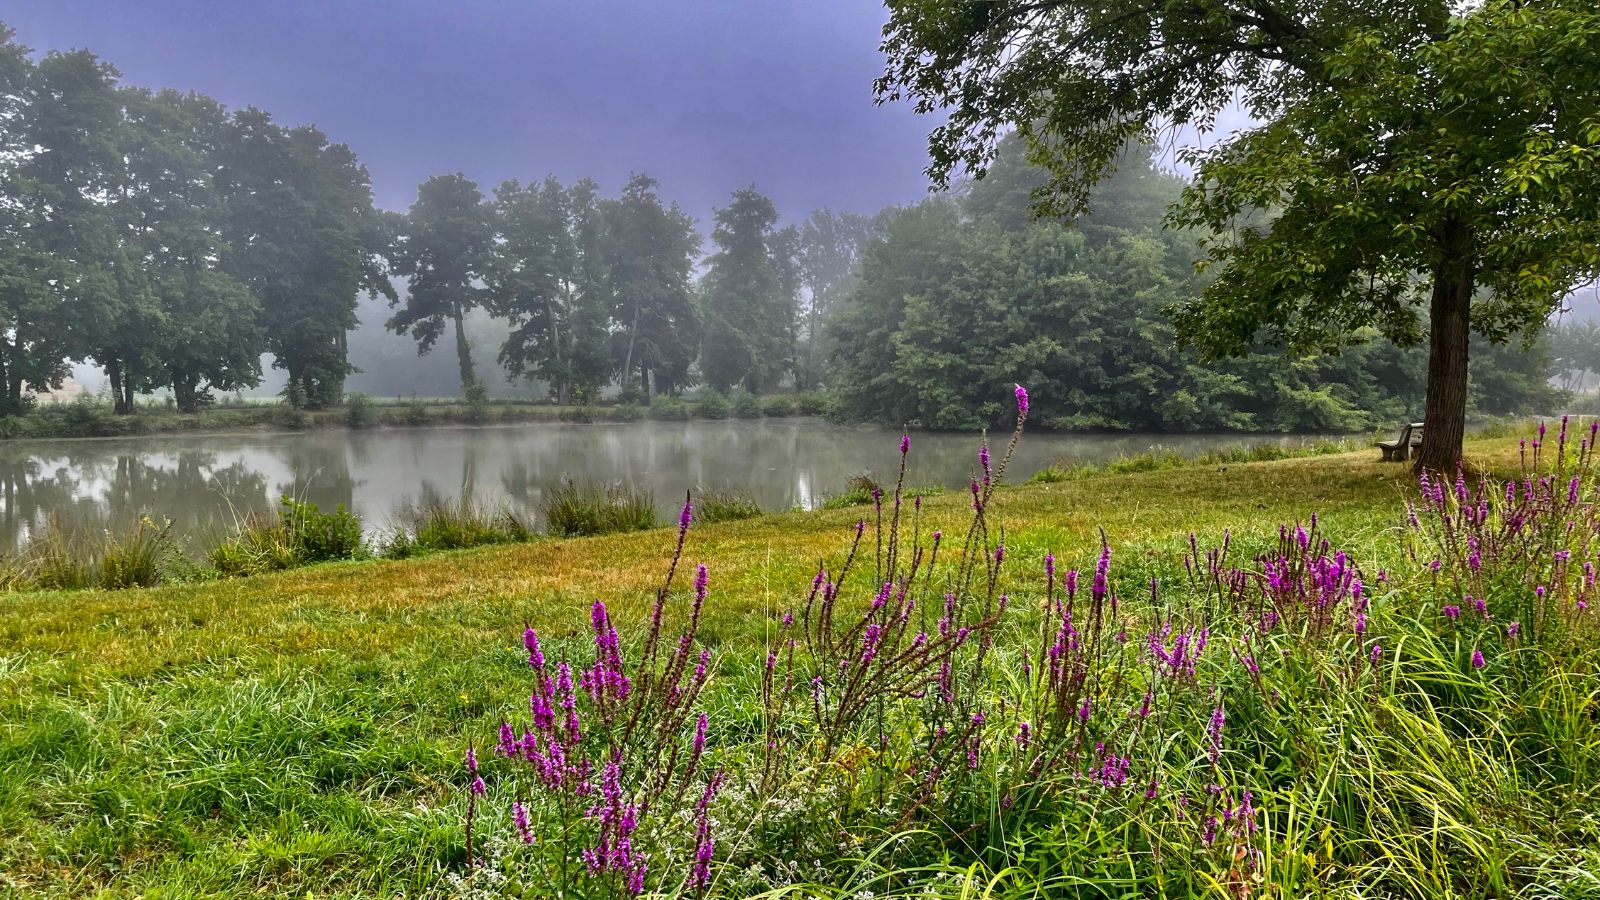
<point x="204" y="483"/>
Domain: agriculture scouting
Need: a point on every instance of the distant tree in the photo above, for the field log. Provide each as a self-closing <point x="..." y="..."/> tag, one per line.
<point x="300" y="231"/>
<point x="198" y="327"/>
<point x="62" y="281"/>
<point x="20" y="296"/>
<point x="1409" y="152"/>
<point x="529" y="277"/>
<point x="593" y="295"/>
<point x="651" y="250"/>
<point x="547" y="277"/>
<point x="749" y="297"/>
<point x="828" y="256"/>
<point x="444" y="251"/>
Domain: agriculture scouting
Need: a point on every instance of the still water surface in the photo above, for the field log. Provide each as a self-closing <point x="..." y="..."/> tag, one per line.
<point x="203" y="483"/>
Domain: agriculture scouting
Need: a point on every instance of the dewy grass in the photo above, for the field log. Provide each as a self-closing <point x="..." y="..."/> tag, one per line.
<point x="725" y="506"/>
<point x="584" y="509"/>
<point x="302" y="732"/>
<point x="1161" y="460"/>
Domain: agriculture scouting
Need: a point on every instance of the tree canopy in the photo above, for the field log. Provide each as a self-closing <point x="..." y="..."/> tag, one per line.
<point x="1408" y="153"/>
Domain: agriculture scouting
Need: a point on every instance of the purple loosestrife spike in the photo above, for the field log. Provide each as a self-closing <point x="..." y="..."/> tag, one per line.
<point x="1511" y="630"/>
<point x="530" y="640"/>
<point x="1477" y="658"/>
<point x="519" y="816"/>
<point x="1022" y="402"/>
<point x="1024" y="734"/>
<point x="686" y="516"/>
<point x="1451" y="612"/>
<point x="472" y="762"/>
<point x="1377" y="653"/>
<point x="905" y="444"/>
<point x="1214" y="732"/>
<point x="478" y="787"/>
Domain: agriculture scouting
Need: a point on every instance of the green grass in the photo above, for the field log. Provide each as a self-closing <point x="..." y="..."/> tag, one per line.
<point x="299" y="733"/>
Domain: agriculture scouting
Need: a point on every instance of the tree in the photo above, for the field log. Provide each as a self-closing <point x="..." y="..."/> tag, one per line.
<point x="651" y="250"/>
<point x="830" y="246"/>
<point x="301" y="233"/>
<point x="749" y="297"/>
<point x="61" y="279"/>
<point x="197" y="326"/>
<point x="1409" y="152"/>
<point x="548" y="278"/>
<point x="443" y="251"/>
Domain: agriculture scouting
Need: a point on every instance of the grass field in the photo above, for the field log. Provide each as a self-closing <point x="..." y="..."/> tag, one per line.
<point x="300" y="734"/>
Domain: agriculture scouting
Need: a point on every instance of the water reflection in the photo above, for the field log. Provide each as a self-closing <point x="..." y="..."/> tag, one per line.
<point x="204" y="483"/>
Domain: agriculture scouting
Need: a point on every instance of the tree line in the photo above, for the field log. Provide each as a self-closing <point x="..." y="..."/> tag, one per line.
<point x="966" y="295"/>
<point x="170" y="241"/>
<point x="173" y="243"/>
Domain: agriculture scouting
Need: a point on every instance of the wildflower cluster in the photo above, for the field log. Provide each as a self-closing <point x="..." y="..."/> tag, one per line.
<point x="1514" y="563"/>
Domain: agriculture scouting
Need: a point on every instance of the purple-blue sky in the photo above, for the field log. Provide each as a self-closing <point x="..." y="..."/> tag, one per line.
<point x="706" y="95"/>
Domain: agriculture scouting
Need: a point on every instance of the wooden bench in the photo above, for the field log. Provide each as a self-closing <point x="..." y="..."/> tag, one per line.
<point x="1409" y="439"/>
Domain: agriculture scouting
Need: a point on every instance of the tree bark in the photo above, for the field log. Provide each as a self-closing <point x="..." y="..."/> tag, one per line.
<point x="119" y="396"/>
<point x="463" y="353"/>
<point x="1449" y="340"/>
<point x="183" y="391"/>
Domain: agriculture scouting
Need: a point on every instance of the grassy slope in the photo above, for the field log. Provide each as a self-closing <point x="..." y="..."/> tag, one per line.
<point x="301" y="731"/>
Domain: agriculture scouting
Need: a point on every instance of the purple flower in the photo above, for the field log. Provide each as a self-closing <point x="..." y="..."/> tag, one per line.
<point x="905" y="444"/>
<point x="1022" y="402"/>
<point x="1214" y="732"/>
<point x="519" y="817"/>
<point x="687" y="516"/>
<point x="478" y="786"/>
<point x="1452" y="611"/>
<point x="1477" y="658"/>
<point x="1511" y="630"/>
<point x="701" y="577"/>
<point x="1377" y="653"/>
<point x="472" y="762"/>
<point x="530" y="640"/>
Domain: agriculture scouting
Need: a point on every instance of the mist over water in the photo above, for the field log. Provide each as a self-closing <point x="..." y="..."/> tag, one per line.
<point x="204" y="483"/>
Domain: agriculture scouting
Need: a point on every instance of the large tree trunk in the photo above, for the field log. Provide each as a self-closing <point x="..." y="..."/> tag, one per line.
<point x="183" y="391"/>
<point x="463" y="353"/>
<point x="1449" y="339"/>
<point x="118" y="379"/>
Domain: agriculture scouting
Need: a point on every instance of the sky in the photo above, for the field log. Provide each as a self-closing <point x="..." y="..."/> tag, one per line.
<point x="708" y="96"/>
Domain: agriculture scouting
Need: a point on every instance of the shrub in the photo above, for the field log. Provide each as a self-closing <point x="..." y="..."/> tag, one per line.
<point x="627" y="412"/>
<point x="457" y="525"/>
<point x="725" y="506"/>
<point x="711" y="404"/>
<point x="860" y="490"/>
<point x="573" y="509"/>
<point x="318" y="536"/>
<point x="745" y="405"/>
<point x="298" y="535"/>
<point x="812" y="403"/>
<point x="137" y="559"/>
<point x="777" y="406"/>
<point x="416" y="413"/>
<point x="667" y="408"/>
<point x="359" y="411"/>
<point x="476" y="395"/>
